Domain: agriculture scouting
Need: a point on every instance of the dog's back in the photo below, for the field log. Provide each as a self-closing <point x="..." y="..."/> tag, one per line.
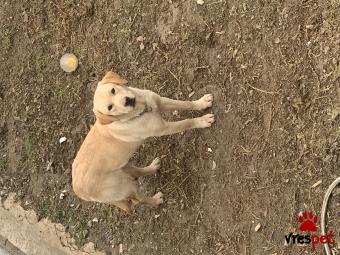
<point x="96" y="170"/>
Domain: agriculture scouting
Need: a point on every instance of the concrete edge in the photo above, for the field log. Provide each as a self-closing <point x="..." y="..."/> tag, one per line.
<point x="10" y="248"/>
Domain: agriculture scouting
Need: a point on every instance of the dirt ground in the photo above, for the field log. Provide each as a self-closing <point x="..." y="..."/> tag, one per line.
<point x="273" y="68"/>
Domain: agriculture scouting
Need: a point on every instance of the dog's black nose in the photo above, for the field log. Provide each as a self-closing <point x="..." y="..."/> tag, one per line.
<point x="130" y="101"/>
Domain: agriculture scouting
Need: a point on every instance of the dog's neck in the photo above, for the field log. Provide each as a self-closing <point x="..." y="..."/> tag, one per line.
<point x="132" y="115"/>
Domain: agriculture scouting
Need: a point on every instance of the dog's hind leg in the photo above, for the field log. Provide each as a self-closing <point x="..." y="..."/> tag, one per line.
<point x="151" y="201"/>
<point x="124" y="205"/>
<point x="137" y="172"/>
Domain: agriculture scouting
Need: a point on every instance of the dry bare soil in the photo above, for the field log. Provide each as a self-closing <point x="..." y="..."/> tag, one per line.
<point x="273" y="67"/>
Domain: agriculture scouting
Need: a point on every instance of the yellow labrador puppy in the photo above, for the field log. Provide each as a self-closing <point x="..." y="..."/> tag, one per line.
<point x="126" y="116"/>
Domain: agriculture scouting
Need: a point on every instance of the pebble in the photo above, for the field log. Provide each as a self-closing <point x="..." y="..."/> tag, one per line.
<point x="140" y="38"/>
<point x="257" y="228"/>
<point x="62" y="139"/>
<point x="213" y="165"/>
<point x="85" y="233"/>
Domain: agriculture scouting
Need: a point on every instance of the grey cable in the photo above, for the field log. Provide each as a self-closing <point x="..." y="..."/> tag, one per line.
<point x="323" y="212"/>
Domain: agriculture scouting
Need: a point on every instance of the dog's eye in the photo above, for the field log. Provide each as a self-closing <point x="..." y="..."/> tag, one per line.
<point x="109" y="107"/>
<point x="113" y="91"/>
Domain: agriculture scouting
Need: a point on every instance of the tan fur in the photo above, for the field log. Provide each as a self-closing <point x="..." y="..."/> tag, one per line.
<point x="101" y="171"/>
<point x="111" y="77"/>
<point x="104" y="119"/>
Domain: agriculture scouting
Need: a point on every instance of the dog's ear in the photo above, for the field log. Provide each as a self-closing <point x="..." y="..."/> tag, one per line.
<point x="104" y="119"/>
<point x="111" y="77"/>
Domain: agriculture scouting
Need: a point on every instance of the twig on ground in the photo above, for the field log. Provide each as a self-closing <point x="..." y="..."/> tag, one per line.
<point x="261" y="90"/>
<point x="133" y="20"/>
<point x="178" y="80"/>
<point x="316" y="74"/>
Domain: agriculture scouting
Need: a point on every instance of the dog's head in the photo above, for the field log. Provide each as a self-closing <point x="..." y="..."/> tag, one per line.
<point x="112" y="99"/>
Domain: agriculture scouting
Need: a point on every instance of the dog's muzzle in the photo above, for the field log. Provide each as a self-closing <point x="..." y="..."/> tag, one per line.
<point x="130" y="101"/>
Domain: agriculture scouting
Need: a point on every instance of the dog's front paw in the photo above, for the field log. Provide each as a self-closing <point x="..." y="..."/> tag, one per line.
<point x="158" y="199"/>
<point x="204" y="102"/>
<point x="205" y="121"/>
<point x="155" y="164"/>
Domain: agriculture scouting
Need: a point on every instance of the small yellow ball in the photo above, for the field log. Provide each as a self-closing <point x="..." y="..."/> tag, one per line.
<point x="69" y="62"/>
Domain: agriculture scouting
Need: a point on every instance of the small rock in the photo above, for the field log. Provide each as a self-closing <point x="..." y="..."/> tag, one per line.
<point x="132" y="246"/>
<point x="191" y="94"/>
<point x="141" y="46"/>
<point x="326" y="49"/>
<point x="157" y="216"/>
<point x="257" y="228"/>
<point x="89" y="223"/>
<point x="233" y="11"/>
<point x="85" y="233"/>
<point x="140" y="38"/>
<point x="25" y="17"/>
<point x="209" y="149"/>
<point x="120" y="248"/>
<point x="200" y="2"/>
<point x="89" y="248"/>
<point x="335" y="112"/>
<point x="62" y="139"/>
<point x="95" y="220"/>
<point x="213" y="165"/>
<point x="175" y="113"/>
<point x="208" y="36"/>
<point x="235" y="53"/>
<point x="61" y="196"/>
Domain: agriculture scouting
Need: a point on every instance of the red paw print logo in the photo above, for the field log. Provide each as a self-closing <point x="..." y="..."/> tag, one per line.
<point x="308" y="222"/>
